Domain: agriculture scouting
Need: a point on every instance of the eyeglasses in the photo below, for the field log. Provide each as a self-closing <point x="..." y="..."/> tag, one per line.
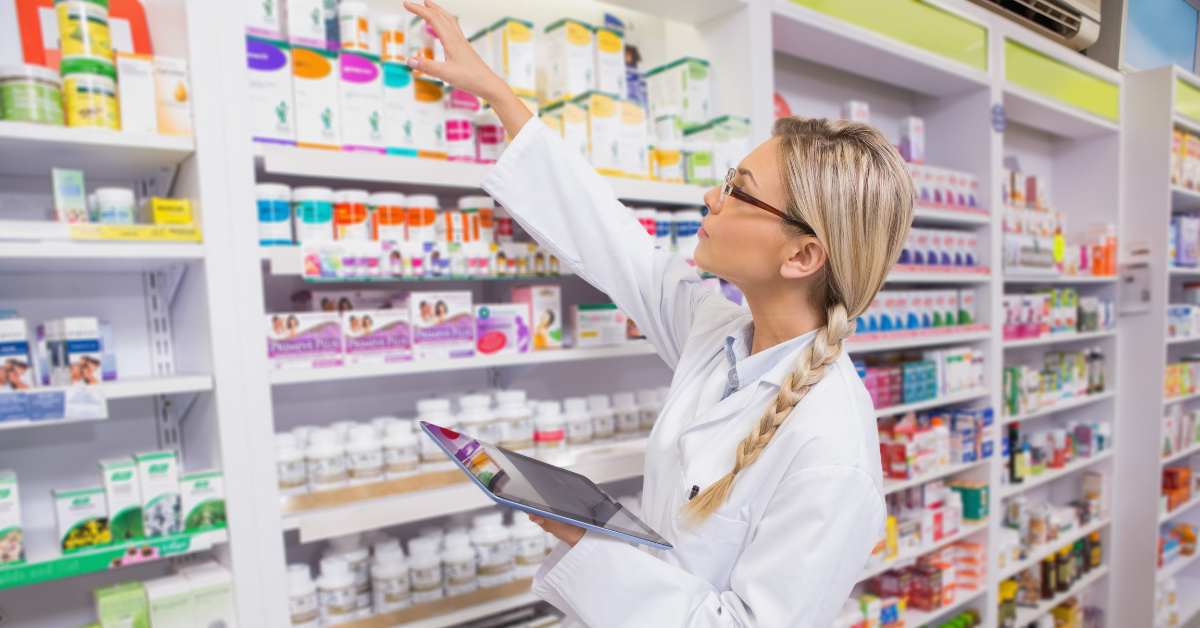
<point x="729" y="189"/>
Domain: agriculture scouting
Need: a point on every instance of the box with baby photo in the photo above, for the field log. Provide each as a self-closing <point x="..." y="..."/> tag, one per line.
<point x="376" y="336"/>
<point x="443" y="325"/>
<point x="302" y="340"/>
<point x="16" y="367"/>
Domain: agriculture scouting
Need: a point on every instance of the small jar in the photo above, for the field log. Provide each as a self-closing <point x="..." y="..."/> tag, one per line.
<point x="326" y="460"/>
<point x="476" y="420"/>
<point x="626" y="416"/>
<point x="302" y="597"/>
<point x="458" y="564"/>
<point x="528" y="546"/>
<point x="289" y="465"/>
<point x="274" y="214"/>
<point x="400" y="457"/>
<point x="30" y="93"/>
<point x="83" y="28"/>
<point x="425" y="569"/>
<point x="336" y="594"/>
<point x="354" y="19"/>
<point x="549" y="434"/>
<point x="313" y="208"/>
<point x="491" y="543"/>
<point x="390" y="587"/>
<point x="90" y="85"/>
<point x="364" y="455"/>
<point x="391" y="38"/>
<point x="437" y="412"/>
<point x="578" y="422"/>
<point x="115" y="206"/>
<point x="603" y="423"/>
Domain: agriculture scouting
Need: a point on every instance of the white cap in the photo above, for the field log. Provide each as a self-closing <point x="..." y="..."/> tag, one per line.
<point x="323" y="436"/>
<point x="351" y="196"/>
<point x="458" y="538"/>
<point x="476" y="401"/>
<point x="423" y="200"/>
<point x="276" y="191"/>
<point x="346" y="543"/>
<point x="114" y="195"/>
<point x="382" y="422"/>
<point x="433" y="406"/>
<point x="423" y="545"/>
<point x="29" y="71"/>
<point x="476" y="202"/>
<point x="334" y="566"/>
<point x="389" y="22"/>
<point x="299" y="571"/>
<point x="623" y="400"/>
<point x="510" y="397"/>
<point x="389" y="544"/>
<point x="647" y="397"/>
<point x="388" y="199"/>
<point x="575" y="405"/>
<point x="352" y="7"/>
<point x="400" y="431"/>
<point x="362" y="434"/>
<point x="689" y="214"/>
<point x="489" y="520"/>
<point x="597" y="403"/>
<point x="646" y="212"/>
<point x="664" y="216"/>
<point x="284" y="441"/>
<point x="548" y="409"/>
<point x="312" y="194"/>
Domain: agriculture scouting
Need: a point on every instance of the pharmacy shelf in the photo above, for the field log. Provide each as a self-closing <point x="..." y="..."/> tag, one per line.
<point x="1059" y="279"/>
<point x="1027" y="615"/>
<point x="1175" y="566"/>
<point x="1047" y="549"/>
<point x="1187" y="592"/>
<point x="891" y="486"/>
<point x="454" y="610"/>
<point x="1053" y="339"/>
<point x="327" y="514"/>
<point x="1062" y="406"/>
<point x="918" y="406"/>
<point x="289" y="261"/>
<point x="914" y="338"/>
<point x="152" y="386"/>
<point x="1184" y="200"/>
<point x="914" y="618"/>
<point x="97" y="257"/>
<point x="1032" y="109"/>
<point x="34" y="149"/>
<point x="1181" y="398"/>
<point x="1183" y="341"/>
<point x="1179" y="455"/>
<point x="907" y="558"/>
<point x="1184" y="507"/>
<point x="950" y="216"/>
<point x="939" y="274"/>
<point x="1050" y="475"/>
<point x="55" y="566"/>
<point x="289" y="161"/>
<point x="1180" y="270"/>
<point x="340" y="373"/>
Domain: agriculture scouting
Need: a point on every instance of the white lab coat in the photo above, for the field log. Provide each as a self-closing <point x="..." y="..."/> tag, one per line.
<point x="800" y="523"/>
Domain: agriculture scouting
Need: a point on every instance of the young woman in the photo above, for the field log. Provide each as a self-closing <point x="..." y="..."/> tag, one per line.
<point x="763" y="469"/>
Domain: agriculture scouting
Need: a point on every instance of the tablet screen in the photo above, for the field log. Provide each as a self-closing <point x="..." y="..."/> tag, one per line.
<point x="540" y="485"/>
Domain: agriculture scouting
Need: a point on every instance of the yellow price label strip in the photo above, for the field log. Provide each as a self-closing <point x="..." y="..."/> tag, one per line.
<point x="158" y="233"/>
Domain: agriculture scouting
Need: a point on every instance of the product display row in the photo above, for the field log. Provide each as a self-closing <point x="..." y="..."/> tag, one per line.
<point x="1045" y="313"/>
<point x="197" y="595"/>
<point x="895" y="379"/>
<point x="913" y="445"/>
<point x="1180" y="430"/>
<point x="935" y="581"/>
<point x="894" y="310"/>
<point x="1031" y="452"/>
<point x="1063" y="376"/>
<point x="922" y="517"/>
<point x="1053" y="576"/>
<point x="1178" y="486"/>
<point x="1182" y="378"/>
<point x="1175" y="541"/>
<point x="940" y="247"/>
<point x="1029" y="528"/>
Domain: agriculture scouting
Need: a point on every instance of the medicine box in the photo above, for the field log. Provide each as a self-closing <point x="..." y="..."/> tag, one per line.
<point x="306" y="23"/>
<point x="398" y="101"/>
<point x="135" y="82"/>
<point x="12" y="536"/>
<point x="734" y="146"/>
<point x="73" y="345"/>
<point x="635" y="141"/>
<point x="158" y="476"/>
<point x="546" y="305"/>
<point x="173" y="96"/>
<point x="122" y="606"/>
<point x="315" y="74"/>
<point x="604" y="132"/>
<point x="443" y="324"/>
<point x="571" y="121"/>
<point x="167" y="211"/>
<point x="169" y="602"/>
<point x="429" y="118"/>
<point x="361" y="102"/>
<point x="513" y="54"/>
<point x="699" y="146"/>
<point x="70" y="202"/>
<point x="82" y="519"/>
<point x="681" y="86"/>
<point x="609" y="66"/>
<point x="304" y="340"/>
<point x="264" y="19"/>
<point x="1187" y="247"/>
<point x="856" y="111"/>
<point x="123" y="497"/>
<point x="912" y="140"/>
<point x="212" y="594"/>
<point x="570" y="60"/>
<point x="17" y="369"/>
<point x="503" y="328"/>
<point x="272" y="113"/>
<point x="203" y="496"/>
<point x="376" y="336"/>
<point x="598" y="324"/>
<point x="342" y="300"/>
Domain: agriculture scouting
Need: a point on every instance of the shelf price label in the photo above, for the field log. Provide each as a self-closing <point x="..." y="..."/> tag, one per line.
<point x="143" y="233"/>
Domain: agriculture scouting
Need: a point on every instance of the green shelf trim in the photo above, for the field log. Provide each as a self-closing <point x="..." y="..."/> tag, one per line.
<point x="1050" y="77"/>
<point x="1187" y="99"/>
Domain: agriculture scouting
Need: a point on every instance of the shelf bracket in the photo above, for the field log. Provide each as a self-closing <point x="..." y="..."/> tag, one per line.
<point x="169" y="412"/>
<point x="159" y="287"/>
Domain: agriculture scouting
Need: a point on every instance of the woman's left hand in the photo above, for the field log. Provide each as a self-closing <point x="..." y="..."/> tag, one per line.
<point x="564" y="532"/>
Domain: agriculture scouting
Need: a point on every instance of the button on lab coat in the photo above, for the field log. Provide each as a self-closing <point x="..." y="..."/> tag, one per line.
<point x="788" y="545"/>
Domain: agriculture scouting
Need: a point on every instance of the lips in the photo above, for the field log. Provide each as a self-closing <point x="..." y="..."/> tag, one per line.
<point x="702" y="234"/>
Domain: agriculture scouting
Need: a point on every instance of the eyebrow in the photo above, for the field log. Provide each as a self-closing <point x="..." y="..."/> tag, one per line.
<point x="750" y="175"/>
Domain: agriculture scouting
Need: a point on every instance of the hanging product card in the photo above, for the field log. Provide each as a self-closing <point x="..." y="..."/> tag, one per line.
<point x="272" y="115"/>
<point x="318" y="108"/>
<point x="362" y="102"/>
<point x="398" y="103"/>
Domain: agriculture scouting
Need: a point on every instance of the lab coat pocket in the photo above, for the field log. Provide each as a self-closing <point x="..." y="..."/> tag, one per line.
<point x="711" y="549"/>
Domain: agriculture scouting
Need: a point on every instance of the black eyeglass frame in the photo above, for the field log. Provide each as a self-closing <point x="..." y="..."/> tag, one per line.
<point x="729" y="189"/>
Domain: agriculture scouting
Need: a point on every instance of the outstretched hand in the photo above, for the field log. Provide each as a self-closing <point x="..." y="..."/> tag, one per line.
<point x="564" y="532"/>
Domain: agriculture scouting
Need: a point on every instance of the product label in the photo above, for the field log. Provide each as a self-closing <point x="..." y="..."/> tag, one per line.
<point x="579" y="433"/>
<point x="627" y="422"/>
<point x="31" y="102"/>
<point x="460" y="574"/>
<point x="426" y="584"/>
<point x="272" y="115"/>
<point x="326" y="472"/>
<point x="91" y="102"/>
<point x="603" y="427"/>
<point x="83" y="29"/>
<point x="304" y="340"/>
<point x="291" y="475"/>
<point x="337" y="605"/>
<point x="364" y="466"/>
<point x="400" y="461"/>
<point x="516" y="434"/>
<point x="314" y="221"/>
<point x="391" y="593"/>
<point x="274" y="222"/>
<point x="304" y="609"/>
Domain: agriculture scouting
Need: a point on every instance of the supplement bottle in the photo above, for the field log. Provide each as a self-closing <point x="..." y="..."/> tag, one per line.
<point x="302" y="597"/>
<point x="83" y="28"/>
<point x="400" y="457"/>
<point x="528" y="546"/>
<point x="387" y="210"/>
<point x="492" y="552"/>
<point x="626" y="416"/>
<point x="648" y="408"/>
<point x="578" y="422"/>
<point x="390" y="588"/>
<point x="475" y="418"/>
<point x="664" y="225"/>
<point x="603" y="423"/>
<point x="458" y="564"/>
<point x="647" y="217"/>
<point x="516" y="421"/>
<point x="364" y="455"/>
<point x="274" y="214"/>
<point x="350" y="221"/>
<point x="480" y="212"/>
<point x="461" y="108"/>
<point x="490" y="137"/>
<point x="381" y="422"/>
<point x="335" y="592"/>
<point x="354" y="19"/>
<point x="289" y="465"/>
<point x="350" y="549"/>
<point x="343" y="429"/>
<point x="32" y="93"/>
<point x="90" y="92"/>
<point x="549" y="435"/>
<point x="425" y="569"/>
<point x="325" y="458"/>
<point x="313" y="208"/>
<point x="437" y="412"/>
<point x="422" y="219"/>
<point x="302" y="433"/>
<point x="391" y="38"/>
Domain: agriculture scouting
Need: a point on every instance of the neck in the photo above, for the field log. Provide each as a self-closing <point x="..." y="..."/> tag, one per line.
<point x="781" y="312"/>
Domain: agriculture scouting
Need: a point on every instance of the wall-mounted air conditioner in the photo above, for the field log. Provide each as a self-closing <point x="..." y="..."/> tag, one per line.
<point x="1074" y="23"/>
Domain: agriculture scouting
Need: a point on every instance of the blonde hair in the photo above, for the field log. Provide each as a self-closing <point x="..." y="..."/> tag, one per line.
<point x="848" y="183"/>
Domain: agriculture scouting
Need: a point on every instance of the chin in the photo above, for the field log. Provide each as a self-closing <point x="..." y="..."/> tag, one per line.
<point x="705" y="261"/>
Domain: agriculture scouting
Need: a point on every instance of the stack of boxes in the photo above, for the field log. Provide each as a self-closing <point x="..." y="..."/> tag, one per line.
<point x="894" y="310"/>
<point x="916" y="444"/>
<point x="893" y="380"/>
<point x="1063" y="375"/>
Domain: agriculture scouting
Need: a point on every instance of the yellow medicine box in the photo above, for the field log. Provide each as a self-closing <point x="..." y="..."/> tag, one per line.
<point x="167" y="211"/>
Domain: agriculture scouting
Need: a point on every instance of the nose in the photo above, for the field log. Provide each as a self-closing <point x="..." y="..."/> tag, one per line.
<point x="712" y="198"/>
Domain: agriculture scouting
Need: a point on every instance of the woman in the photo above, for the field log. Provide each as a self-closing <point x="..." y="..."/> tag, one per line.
<point x="763" y="469"/>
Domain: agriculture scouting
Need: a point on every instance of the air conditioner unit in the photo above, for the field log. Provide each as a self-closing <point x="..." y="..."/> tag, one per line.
<point x="1073" y="23"/>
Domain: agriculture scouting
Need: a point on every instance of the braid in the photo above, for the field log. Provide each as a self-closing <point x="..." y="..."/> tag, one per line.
<point x="810" y="368"/>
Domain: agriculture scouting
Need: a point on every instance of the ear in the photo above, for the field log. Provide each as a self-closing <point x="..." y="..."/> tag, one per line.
<point x="807" y="256"/>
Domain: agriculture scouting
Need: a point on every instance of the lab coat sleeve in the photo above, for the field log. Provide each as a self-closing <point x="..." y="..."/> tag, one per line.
<point x="562" y="202"/>
<point x="797" y="570"/>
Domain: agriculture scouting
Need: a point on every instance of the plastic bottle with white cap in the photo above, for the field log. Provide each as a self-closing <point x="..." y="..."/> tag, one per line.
<point x="350" y="548"/>
<point x="648" y="218"/>
<point x="458" y="563"/>
<point x="603" y="423"/>
<point x="364" y="455"/>
<point x="516" y="421"/>
<point x="626" y="416"/>
<point x="425" y="569"/>
<point x="648" y="408"/>
<point x="336" y="594"/>
<point x="436" y="411"/>
<point x="548" y="434"/>
<point x="664" y="228"/>
<point x="491" y="542"/>
<point x="476" y="419"/>
<point x="390" y="586"/>
<point x="302" y="597"/>
<point x="289" y="465"/>
<point x="400" y="456"/>
<point x="325" y="459"/>
<point x="578" y="422"/>
<point x="528" y="546"/>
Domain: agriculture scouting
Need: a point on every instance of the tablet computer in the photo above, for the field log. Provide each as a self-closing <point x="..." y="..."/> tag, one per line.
<point x="533" y="486"/>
